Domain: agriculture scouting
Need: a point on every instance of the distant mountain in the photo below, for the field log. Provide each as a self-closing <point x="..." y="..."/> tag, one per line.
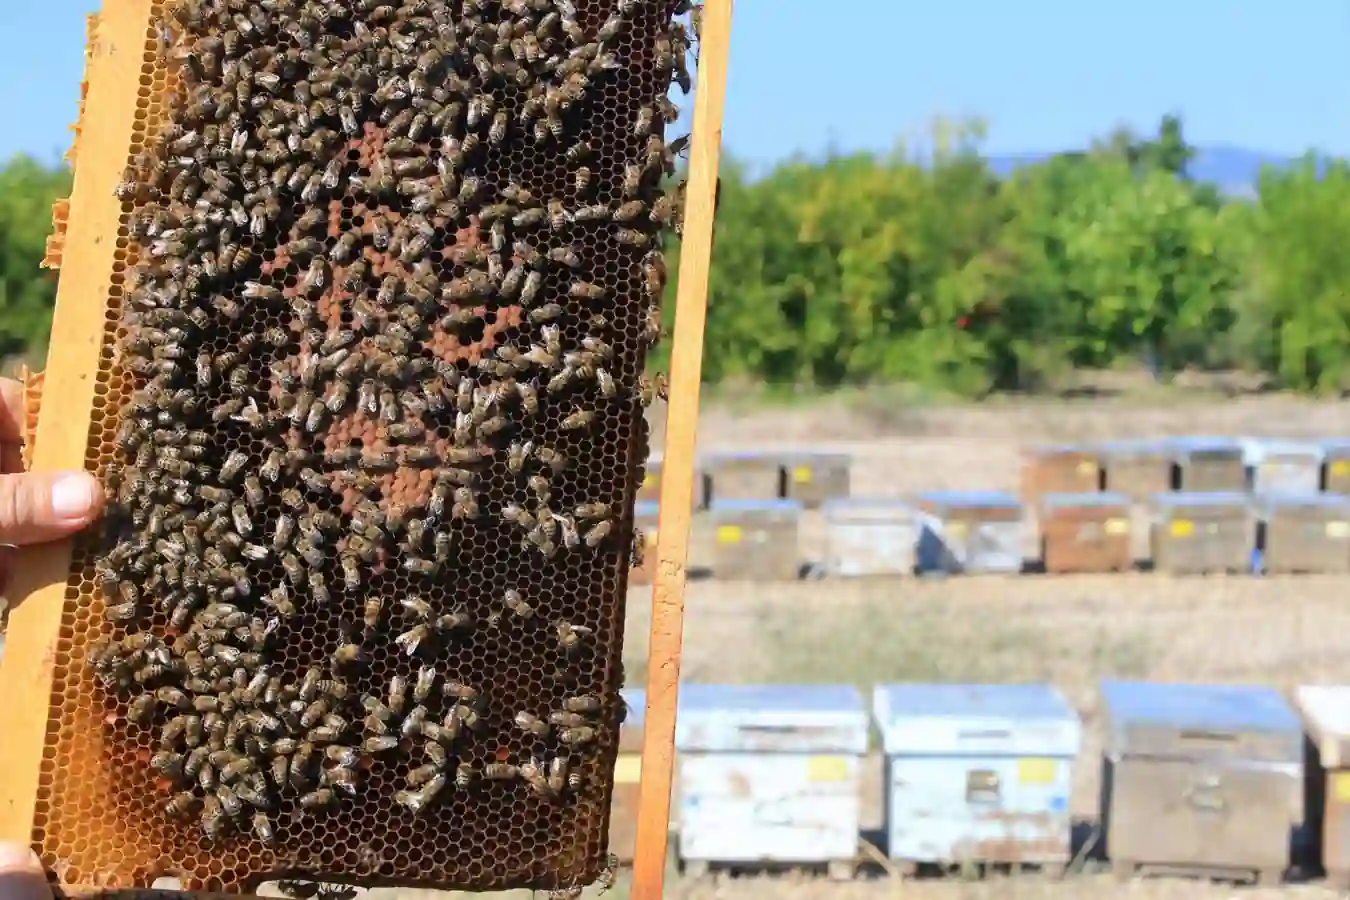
<point x="1233" y="169"/>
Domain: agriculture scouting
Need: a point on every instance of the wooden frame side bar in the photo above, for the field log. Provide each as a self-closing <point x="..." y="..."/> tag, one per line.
<point x="78" y="327"/>
<point x="677" y="471"/>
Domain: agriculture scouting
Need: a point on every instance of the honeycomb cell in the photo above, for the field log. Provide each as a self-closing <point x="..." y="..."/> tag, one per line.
<point x="369" y="411"/>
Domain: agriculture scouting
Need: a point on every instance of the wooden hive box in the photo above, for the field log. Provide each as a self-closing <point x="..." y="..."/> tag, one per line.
<point x="756" y="540"/>
<point x="1136" y="468"/>
<point x="1086" y="532"/>
<point x="869" y="536"/>
<point x="970" y="532"/>
<point x="1336" y="466"/>
<point x="744" y="475"/>
<point x="1200" y="778"/>
<point x="815" y="477"/>
<point x="1059" y="468"/>
<point x="1283" y="467"/>
<point x="1201" y="533"/>
<point x="1303" y="533"/>
<point x="1207" y="464"/>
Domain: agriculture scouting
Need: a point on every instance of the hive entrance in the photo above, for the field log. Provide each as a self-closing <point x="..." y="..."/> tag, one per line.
<point x="370" y="410"/>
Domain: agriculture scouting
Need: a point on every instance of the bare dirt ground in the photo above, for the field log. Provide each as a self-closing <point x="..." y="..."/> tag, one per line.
<point x="1069" y="630"/>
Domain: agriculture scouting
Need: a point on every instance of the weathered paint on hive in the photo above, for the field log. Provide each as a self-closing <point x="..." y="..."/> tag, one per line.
<point x="770" y="773"/>
<point x="970" y="531"/>
<point x="874" y="536"/>
<point x="1303" y="533"/>
<point x="1282" y="466"/>
<point x="977" y="773"/>
<point x="756" y="539"/>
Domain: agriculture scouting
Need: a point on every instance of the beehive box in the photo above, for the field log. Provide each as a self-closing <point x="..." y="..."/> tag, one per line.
<point x="1336" y="466"/>
<point x="1283" y="467"/>
<point x="623" y="813"/>
<point x="650" y="489"/>
<point x="1193" y="533"/>
<point x="1303" y="533"/>
<point x="1138" y="469"/>
<point x="1325" y="710"/>
<point x="756" y="540"/>
<point x="769" y="775"/>
<point x="1202" y="778"/>
<point x="361" y="292"/>
<point x="970" y="531"/>
<point x="1085" y="532"/>
<point x="814" y="478"/>
<point x="748" y="475"/>
<point x="1059" y="468"/>
<point x="977" y="773"/>
<point x="1207" y="464"/>
<point x="869" y="536"/>
<point x="646" y="516"/>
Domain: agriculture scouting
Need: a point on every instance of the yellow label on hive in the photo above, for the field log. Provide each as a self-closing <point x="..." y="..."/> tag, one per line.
<point x="628" y="769"/>
<point x="729" y="534"/>
<point x="1036" y="770"/>
<point x="827" y="768"/>
<point x="1183" y="528"/>
<point x="1338" y="529"/>
<point x="1341" y="467"/>
<point x="648" y="482"/>
<point x="1117" y="526"/>
<point x="802" y="474"/>
<point x="956" y="529"/>
<point x="1086" y="467"/>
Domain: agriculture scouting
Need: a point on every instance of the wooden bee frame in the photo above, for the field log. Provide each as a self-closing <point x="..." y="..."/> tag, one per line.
<point x="84" y="246"/>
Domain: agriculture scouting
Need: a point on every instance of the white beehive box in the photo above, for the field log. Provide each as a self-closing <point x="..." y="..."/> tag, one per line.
<point x="1282" y="466"/>
<point x="970" y="532"/>
<point x="977" y="773"/>
<point x="769" y="774"/>
<point x="869" y="536"/>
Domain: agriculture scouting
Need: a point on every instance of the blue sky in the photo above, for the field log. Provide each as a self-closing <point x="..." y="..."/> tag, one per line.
<point x="1045" y="74"/>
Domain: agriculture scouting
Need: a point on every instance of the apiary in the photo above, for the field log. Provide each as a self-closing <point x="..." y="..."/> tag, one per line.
<point x="977" y="773"/>
<point x="1283" y="467"/>
<point x="1198" y="533"/>
<point x="1085" y="532"/>
<point x="1138" y="469"/>
<point x="769" y="774"/>
<point x="1207" y="464"/>
<point x="1059" y="468"/>
<point x="623" y="813"/>
<point x="649" y="490"/>
<point x="352" y="324"/>
<point x="646" y="515"/>
<point x="1325" y="710"/>
<point x="1200" y="778"/>
<point x="1336" y="466"/>
<point x="756" y="540"/>
<point x="748" y="475"/>
<point x="1303" y="533"/>
<point x="814" y="478"/>
<point x="970" y="531"/>
<point x="869" y="536"/>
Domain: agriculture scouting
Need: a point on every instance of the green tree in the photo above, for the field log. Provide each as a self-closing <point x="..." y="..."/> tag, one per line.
<point x="27" y="295"/>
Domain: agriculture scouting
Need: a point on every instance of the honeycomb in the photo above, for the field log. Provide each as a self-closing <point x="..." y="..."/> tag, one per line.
<point x="370" y="417"/>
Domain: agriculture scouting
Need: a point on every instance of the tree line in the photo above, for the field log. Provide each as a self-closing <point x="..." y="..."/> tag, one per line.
<point x="936" y="272"/>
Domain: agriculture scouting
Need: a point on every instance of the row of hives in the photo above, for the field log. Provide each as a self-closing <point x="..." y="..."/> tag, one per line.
<point x="953" y="532"/>
<point x="1138" y="469"/>
<point x="1232" y="781"/>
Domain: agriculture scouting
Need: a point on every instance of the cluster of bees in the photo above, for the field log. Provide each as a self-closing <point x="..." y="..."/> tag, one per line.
<point x="355" y="338"/>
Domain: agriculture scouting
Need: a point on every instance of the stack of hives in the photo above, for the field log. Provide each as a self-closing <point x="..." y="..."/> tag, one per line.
<point x="386" y="280"/>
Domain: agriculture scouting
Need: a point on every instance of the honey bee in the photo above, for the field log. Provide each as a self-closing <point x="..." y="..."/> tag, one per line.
<point x="374" y="605"/>
<point x="514" y="602"/>
<point x="531" y="724"/>
<point x="418" y="801"/>
<point x="322" y="798"/>
<point x="414" y="638"/>
<point x="531" y="772"/>
<point x="579" y="419"/>
<point x="582" y="703"/>
<point x="501" y="772"/>
<point x="233" y="466"/>
<point x="348" y="654"/>
<point x="570" y="636"/>
<point x="213" y="819"/>
<point x="424" y="774"/>
<point x="598" y="532"/>
<point x="262" y="827"/>
<point x="424" y="684"/>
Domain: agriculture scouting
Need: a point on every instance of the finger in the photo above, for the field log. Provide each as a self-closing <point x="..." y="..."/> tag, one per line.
<point x="21" y="875"/>
<point x="11" y="410"/>
<point x="11" y="458"/>
<point x="40" y="507"/>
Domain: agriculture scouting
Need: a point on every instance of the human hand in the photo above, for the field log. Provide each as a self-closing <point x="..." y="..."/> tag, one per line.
<point x="36" y="507"/>
<point x="21" y="875"/>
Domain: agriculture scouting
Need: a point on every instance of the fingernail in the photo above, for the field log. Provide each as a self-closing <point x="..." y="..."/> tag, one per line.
<point x="18" y="858"/>
<point x="73" y="496"/>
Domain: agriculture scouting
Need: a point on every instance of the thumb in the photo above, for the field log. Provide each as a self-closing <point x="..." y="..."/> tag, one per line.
<point x="21" y="875"/>
<point x="43" y="506"/>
